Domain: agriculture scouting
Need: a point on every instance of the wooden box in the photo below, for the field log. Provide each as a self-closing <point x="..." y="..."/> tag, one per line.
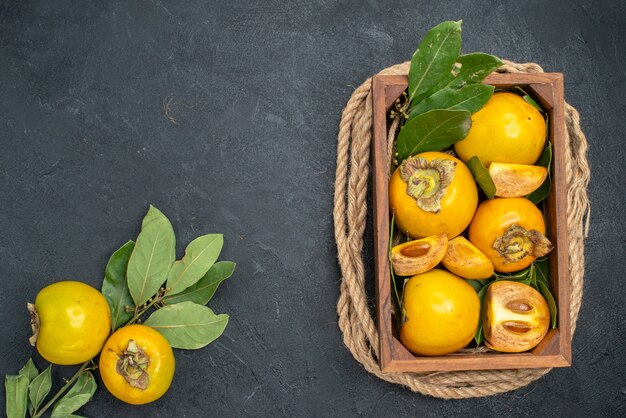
<point x="555" y="349"/>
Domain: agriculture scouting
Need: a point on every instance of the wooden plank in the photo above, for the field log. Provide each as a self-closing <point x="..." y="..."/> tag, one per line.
<point x="559" y="219"/>
<point x="455" y="362"/>
<point x="381" y="219"/>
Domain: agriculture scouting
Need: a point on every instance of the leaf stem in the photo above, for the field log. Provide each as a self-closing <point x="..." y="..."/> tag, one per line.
<point x="140" y="311"/>
<point x="39" y="413"/>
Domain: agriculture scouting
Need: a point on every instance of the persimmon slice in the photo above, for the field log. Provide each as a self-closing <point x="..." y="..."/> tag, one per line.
<point x="418" y="256"/>
<point x="464" y="259"/>
<point x="516" y="180"/>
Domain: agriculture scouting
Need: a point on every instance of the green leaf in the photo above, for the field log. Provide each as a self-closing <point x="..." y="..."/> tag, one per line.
<point x="188" y="325"/>
<point x="475" y="284"/>
<point x="202" y="291"/>
<point x="40" y="387"/>
<point x="152" y="257"/>
<point x="532" y="102"/>
<point x="472" y="68"/>
<point x="482" y="177"/>
<point x="519" y="275"/>
<point x="543" y="270"/>
<point x="471" y="98"/>
<point x="432" y="131"/>
<point x="403" y="310"/>
<point x="528" y="99"/>
<point x="545" y="160"/>
<point x="16" y="391"/>
<point x="479" y="336"/>
<point x="528" y="281"/>
<point x="78" y="395"/>
<point x="434" y="58"/>
<point x="532" y="277"/>
<point x="485" y="282"/>
<point x="114" y="287"/>
<point x="526" y="276"/>
<point x="545" y="292"/>
<point x="200" y="255"/>
<point x="29" y="370"/>
<point x="397" y="302"/>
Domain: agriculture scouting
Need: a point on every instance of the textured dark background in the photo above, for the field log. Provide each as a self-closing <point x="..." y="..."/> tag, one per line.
<point x="255" y="92"/>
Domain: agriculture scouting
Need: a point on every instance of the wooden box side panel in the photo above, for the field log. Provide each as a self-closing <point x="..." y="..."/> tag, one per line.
<point x="381" y="221"/>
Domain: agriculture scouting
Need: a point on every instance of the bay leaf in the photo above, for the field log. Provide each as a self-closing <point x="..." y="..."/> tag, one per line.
<point x="532" y="277"/>
<point x="115" y="288"/>
<point x="40" y="387"/>
<point x="16" y="392"/>
<point x="485" y="282"/>
<point x="152" y="257"/>
<point x="203" y="290"/>
<point x="29" y="370"/>
<point x="471" y="69"/>
<point x="471" y="98"/>
<point x="527" y="98"/>
<point x="543" y="191"/>
<point x="475" y="284"/>
<point x="79" y="394"/>
<point x="519" y="275"/>
<point x="482" y="177"/>
<point x="547" y="295"/>
<point x="188" y="325"/>
<point x="397" y="302"/>
<point x="479" y="336"/>
<point x="532" y="102"/>
<point x="200" y="255"/>
<point x="434" y="58"/>
<point x="432" y="131"/>
<point x="543" y="270"/>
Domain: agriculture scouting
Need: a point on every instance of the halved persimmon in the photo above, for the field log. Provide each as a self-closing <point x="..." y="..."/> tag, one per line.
<point x="516" y="180"/>
<point x="464" y="259"/>
<point x="418" y="256"/>
<point x="515" y="317"/>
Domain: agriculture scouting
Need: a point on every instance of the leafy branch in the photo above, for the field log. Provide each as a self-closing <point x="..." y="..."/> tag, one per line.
<point x="444" y="90"/>
<point x="140" y="277"/>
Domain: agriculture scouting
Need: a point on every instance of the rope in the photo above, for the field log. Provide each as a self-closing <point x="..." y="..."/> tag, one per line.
<point x="350" y="216"/>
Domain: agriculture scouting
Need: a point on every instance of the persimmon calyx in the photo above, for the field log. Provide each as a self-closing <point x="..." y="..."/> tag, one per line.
<point x="34" y="323"/>
<point x="518" y="242"/>
<point x="427" y="180"/>
<point x="133" y="365"/>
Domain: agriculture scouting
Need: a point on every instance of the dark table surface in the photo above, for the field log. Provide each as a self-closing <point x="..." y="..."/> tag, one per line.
<point x="254" y="93"/>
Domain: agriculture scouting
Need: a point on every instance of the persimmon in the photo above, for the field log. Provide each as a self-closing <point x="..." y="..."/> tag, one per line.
<point x="510" y="232"/>
<point x="432" y="193"/>
<point x="507" y="129"/>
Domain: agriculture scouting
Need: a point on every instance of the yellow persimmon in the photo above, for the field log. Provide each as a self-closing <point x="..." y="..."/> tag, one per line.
<point x="441" y="311"/>
<point x="507" y="129"/>
<point x="432" y="193"/>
